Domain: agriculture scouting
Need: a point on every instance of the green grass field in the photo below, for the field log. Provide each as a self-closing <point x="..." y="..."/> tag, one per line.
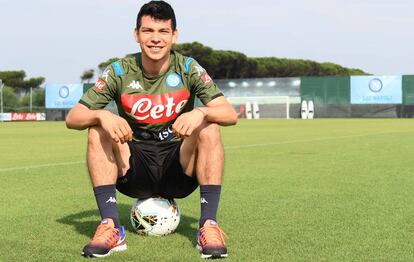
<point x="294" y="190"/>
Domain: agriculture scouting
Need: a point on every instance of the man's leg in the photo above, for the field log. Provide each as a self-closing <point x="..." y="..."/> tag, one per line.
<point x="203" y="152"/>
<point x="104" y="156"/>
<point x="106" y="161"/>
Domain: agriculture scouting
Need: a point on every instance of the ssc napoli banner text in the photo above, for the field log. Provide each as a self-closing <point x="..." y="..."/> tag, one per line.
<point x="63" y="95"/>
<point x="376" y="89"/>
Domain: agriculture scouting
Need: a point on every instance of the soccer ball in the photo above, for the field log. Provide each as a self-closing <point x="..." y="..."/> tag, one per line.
<point x="155" y="216"/>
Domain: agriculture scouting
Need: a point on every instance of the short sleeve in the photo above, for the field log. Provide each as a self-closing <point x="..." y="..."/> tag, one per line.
<point x="202" y="84"/>
<point x="103" y="92"/>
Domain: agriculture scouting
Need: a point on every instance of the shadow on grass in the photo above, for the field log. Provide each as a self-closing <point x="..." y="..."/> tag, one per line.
<point x="85" y="222"/>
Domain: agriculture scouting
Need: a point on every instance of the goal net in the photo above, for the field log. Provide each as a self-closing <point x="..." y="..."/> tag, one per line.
<point x="263" y="106"/>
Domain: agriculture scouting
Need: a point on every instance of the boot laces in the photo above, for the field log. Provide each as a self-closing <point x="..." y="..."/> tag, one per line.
<point x="106" y="234"/>
<point x="212" y="235"/>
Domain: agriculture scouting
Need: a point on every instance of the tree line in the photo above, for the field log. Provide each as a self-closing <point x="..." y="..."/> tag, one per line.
<point x="219" y="63"/>
<point x="230" y="64"/>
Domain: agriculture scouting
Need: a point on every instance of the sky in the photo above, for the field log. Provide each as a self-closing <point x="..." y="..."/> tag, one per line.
<point x="61" y="39"/>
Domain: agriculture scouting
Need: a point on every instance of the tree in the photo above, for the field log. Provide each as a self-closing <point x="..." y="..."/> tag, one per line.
<point x="197" y="50"/>
<point x="10" y="100"/>
<point x="87" y="75"/>
<point x="103" y="65"/>
<point x="15" y="79"/>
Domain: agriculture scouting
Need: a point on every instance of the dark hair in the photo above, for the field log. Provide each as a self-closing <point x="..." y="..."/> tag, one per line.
<point x="158" y="10"/>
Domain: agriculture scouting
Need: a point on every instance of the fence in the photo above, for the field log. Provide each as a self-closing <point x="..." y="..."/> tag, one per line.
<point x="354" y="96"/>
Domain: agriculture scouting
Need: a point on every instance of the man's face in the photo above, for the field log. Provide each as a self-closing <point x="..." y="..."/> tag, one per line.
<point x="155" y="37"/>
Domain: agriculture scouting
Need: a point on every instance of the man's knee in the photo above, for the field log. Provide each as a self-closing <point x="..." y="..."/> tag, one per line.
<point x="209" y="134"/>
<point x="97" y="136"/>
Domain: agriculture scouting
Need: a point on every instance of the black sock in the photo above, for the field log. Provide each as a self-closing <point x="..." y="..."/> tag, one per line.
<point x="106" y="199"/>
<point x="209" y="199"/>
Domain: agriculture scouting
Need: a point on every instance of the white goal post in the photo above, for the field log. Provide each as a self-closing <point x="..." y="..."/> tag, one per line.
<point x="277" y="101"/>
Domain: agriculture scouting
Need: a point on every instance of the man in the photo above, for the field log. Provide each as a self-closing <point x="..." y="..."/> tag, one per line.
<point x="159" y="144"/>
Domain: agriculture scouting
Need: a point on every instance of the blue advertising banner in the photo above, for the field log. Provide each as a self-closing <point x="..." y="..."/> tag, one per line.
<point x="63" y="95"/>
<point x="376" y="89"/>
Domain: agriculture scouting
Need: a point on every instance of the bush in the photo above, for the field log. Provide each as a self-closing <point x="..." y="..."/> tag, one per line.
<point x="11" y="102"/>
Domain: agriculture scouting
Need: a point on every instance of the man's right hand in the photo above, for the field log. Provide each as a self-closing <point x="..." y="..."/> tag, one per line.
<point x="117" y="127"/>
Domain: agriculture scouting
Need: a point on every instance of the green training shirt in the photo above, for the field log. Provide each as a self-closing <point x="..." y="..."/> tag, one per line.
<point x="151" y="104"/>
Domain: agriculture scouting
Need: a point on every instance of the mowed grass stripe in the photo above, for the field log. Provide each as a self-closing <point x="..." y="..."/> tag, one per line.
<point x="8" y="169"/>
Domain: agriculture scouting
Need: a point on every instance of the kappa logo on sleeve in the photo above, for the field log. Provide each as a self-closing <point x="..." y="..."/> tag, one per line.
<point x="155" y="108"/>
<point x="105" y="74"/>
<point x="200" y="70"/>
<point x="99" y="85"/>
<point x="202" y="73"/>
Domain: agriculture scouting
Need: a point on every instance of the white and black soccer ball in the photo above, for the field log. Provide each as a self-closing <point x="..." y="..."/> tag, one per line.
<point x="155" y="216"/>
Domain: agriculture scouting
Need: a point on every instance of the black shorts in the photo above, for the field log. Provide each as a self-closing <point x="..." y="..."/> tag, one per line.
<point x="155" y="170"/>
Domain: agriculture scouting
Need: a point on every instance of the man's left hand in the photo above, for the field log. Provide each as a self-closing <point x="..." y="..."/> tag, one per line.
<point x="186" y="123"/>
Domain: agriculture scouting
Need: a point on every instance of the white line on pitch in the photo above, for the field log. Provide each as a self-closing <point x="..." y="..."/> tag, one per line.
<point x="40" y="166"/>
<point x="309" y="140"/>
<point x="227" y="147"/>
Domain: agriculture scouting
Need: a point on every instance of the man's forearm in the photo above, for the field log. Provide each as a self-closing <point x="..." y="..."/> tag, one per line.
<point x="224" y="115"/>
<point x="80" y="117"/>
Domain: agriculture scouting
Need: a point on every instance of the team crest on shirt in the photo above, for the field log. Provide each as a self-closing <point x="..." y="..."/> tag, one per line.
<point x="173" y="80"/>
